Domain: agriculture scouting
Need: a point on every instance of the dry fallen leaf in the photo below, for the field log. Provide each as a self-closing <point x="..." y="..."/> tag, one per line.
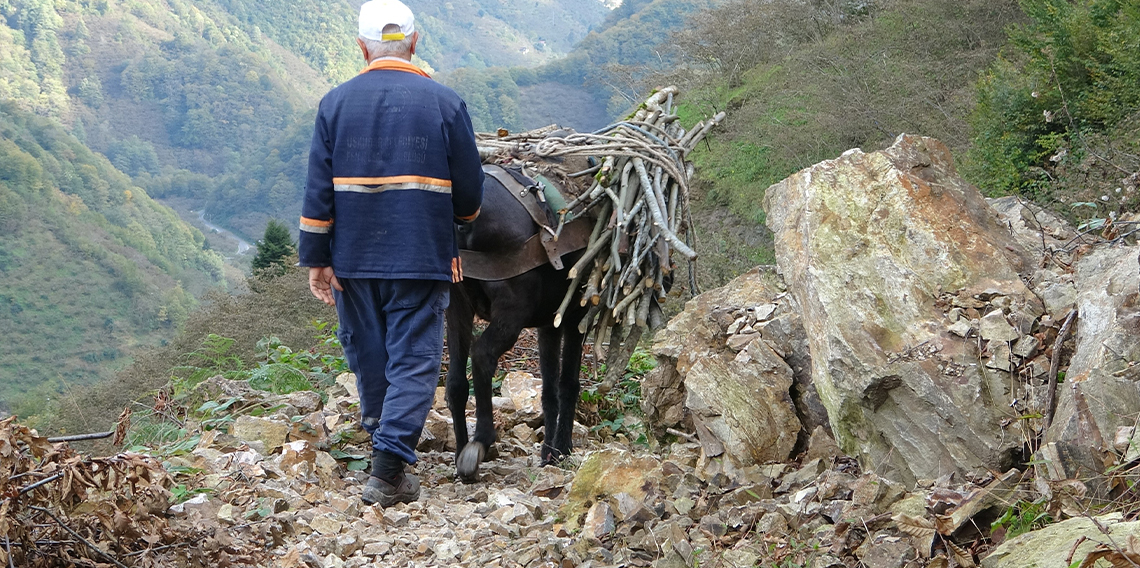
<point x="918" y="528"/>
<point x="962" y="557"/>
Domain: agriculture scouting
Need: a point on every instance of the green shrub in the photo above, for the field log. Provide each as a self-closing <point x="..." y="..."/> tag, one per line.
<point x="1067" y="75"/>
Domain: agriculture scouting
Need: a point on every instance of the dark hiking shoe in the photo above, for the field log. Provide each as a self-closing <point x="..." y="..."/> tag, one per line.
<point x="380" y="492"/>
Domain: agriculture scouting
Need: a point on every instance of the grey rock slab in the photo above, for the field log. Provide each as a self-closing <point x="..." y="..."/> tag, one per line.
<point x="886" y="551"/>
<point x="961" y="328"/>
<point x="999" y="356"/>
<point x="1034" y="228"/>
<point x="876" y="493"/>
<point x="802" y="476"/>
<point x="867" y="245"/>
<point x="1026" y="347"/>
<point x="1059" y="298"/>
<point x="1101" y="391"/>
<point x="1050" y="546"/>
<point x="994" y="327"/>
<point x="306" y="402"/>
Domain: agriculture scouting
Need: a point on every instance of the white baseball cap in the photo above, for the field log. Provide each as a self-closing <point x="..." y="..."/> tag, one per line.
<point x="377" y="14"/>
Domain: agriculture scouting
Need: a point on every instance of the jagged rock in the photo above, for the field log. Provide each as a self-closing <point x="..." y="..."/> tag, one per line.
<point x="868" y="244"/>
<point x="740" y="558"/>
<point x="377" y="548"/>
<point x="395" y="518"/>
<point x="738" y="342"/>
<point x="632" y="510"/>
<point x="886" y="551"/>
<point x="347" y="381"/>
<point x="1050" y="546"/>
<point x="876" y="493"/>
<point x="961" y="328"/>
<point x="607" y="473"/>
<point x="327" y="471"/>
<point x="227" y="513"/>
<point x="438" y="434"/>
<point x="599" y="523"/>
<point x="1058" y="297"/>
<point x="326" y="524"/>
<point x="298" y="459"/>
<point x="524" y="434"/>
<point x="271" y="433"/>
<point x="994" y="327"/>
<point x="822" y="446"/>
<point x="195" y="503"/>
<point x="1101" y="391"/>
<point x="744" y="399"/>
<point x="525" y="393"/>
<point x="772" y="523"/>
<point x="220" y="388"/>
<point x="1032" y="227"/>
<point x="827" y="561"/>
<point x="1126" y="444"/>
<point x="301" y="459"/>
<point x="663" y="397"/>
<point x="913" y="505"/>
<point x="306" y="402"/>
<point x="1026" y="347"/>
<point x="1000" y="356"/>
<point x="802" y="476"/>
<point x="311" y="428"/>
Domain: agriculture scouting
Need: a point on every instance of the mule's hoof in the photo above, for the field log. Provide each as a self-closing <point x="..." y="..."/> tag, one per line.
<point x="467" y="462"/>
<point x="551" y="456"/>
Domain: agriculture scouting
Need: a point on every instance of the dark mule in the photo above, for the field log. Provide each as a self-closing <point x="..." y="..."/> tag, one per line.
<point x="529" y="300"/>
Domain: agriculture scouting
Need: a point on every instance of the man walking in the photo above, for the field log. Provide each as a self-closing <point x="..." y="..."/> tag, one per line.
<point x="393" y="163"/>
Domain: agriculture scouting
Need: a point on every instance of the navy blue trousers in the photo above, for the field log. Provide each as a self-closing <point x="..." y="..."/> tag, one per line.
<point x="392" y="333"/>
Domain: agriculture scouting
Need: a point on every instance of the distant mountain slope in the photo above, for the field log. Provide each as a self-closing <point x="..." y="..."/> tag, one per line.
<point x="188" y="97"/>
<point x="597" y="80"/>
<point x="459" y="33"/>
<point x="525" y="33"/>
<point x="90" y="265"/>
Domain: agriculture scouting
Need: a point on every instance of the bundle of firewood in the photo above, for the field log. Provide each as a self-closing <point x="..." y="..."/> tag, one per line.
<point x="639" y="194"/>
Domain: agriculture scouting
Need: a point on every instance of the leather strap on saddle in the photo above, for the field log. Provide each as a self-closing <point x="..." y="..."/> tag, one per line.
<point x="528" y="197"/>
<point x="489" y="266"/>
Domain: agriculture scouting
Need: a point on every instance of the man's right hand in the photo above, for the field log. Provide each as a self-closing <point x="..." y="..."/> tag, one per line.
<point x="322" y="281"/>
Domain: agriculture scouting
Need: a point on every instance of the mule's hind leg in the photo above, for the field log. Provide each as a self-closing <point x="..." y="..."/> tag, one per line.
<point x="460" y="320"/>
<point x="550" y="365"/>
<point x="569" y="389"/>
<point x="500" y="335"/>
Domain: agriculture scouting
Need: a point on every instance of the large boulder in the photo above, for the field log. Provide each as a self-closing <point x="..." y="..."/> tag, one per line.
<point x="895" y="261"/>
<point x="1101" y="392"/>
<point x="724" y="360"/>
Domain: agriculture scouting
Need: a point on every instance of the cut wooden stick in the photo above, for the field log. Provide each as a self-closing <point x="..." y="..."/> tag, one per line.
<point x="658" y="219"/>
<point x="1055" y="367"/>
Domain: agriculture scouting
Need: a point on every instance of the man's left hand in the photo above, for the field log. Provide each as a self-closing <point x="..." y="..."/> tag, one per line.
<point x="322" y="281"/>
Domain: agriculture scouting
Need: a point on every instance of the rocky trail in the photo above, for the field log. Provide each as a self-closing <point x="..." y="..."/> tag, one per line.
<point x="927" y="378"/>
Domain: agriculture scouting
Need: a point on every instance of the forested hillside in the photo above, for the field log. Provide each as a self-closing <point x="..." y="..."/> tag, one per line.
<point x="210" y="102"/>
<point x="805" y="83"/>
<point x="90" y="266"/>
<point x="1031" y="96"/>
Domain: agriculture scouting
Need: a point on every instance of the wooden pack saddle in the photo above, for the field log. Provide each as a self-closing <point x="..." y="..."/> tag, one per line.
<point x="546" y="246"/>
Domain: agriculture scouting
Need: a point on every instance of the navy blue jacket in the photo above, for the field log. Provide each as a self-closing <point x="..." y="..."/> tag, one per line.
<point x="393" y="162"/>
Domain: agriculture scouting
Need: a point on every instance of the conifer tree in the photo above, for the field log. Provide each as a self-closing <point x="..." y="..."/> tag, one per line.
<point x="274" y="247"/>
